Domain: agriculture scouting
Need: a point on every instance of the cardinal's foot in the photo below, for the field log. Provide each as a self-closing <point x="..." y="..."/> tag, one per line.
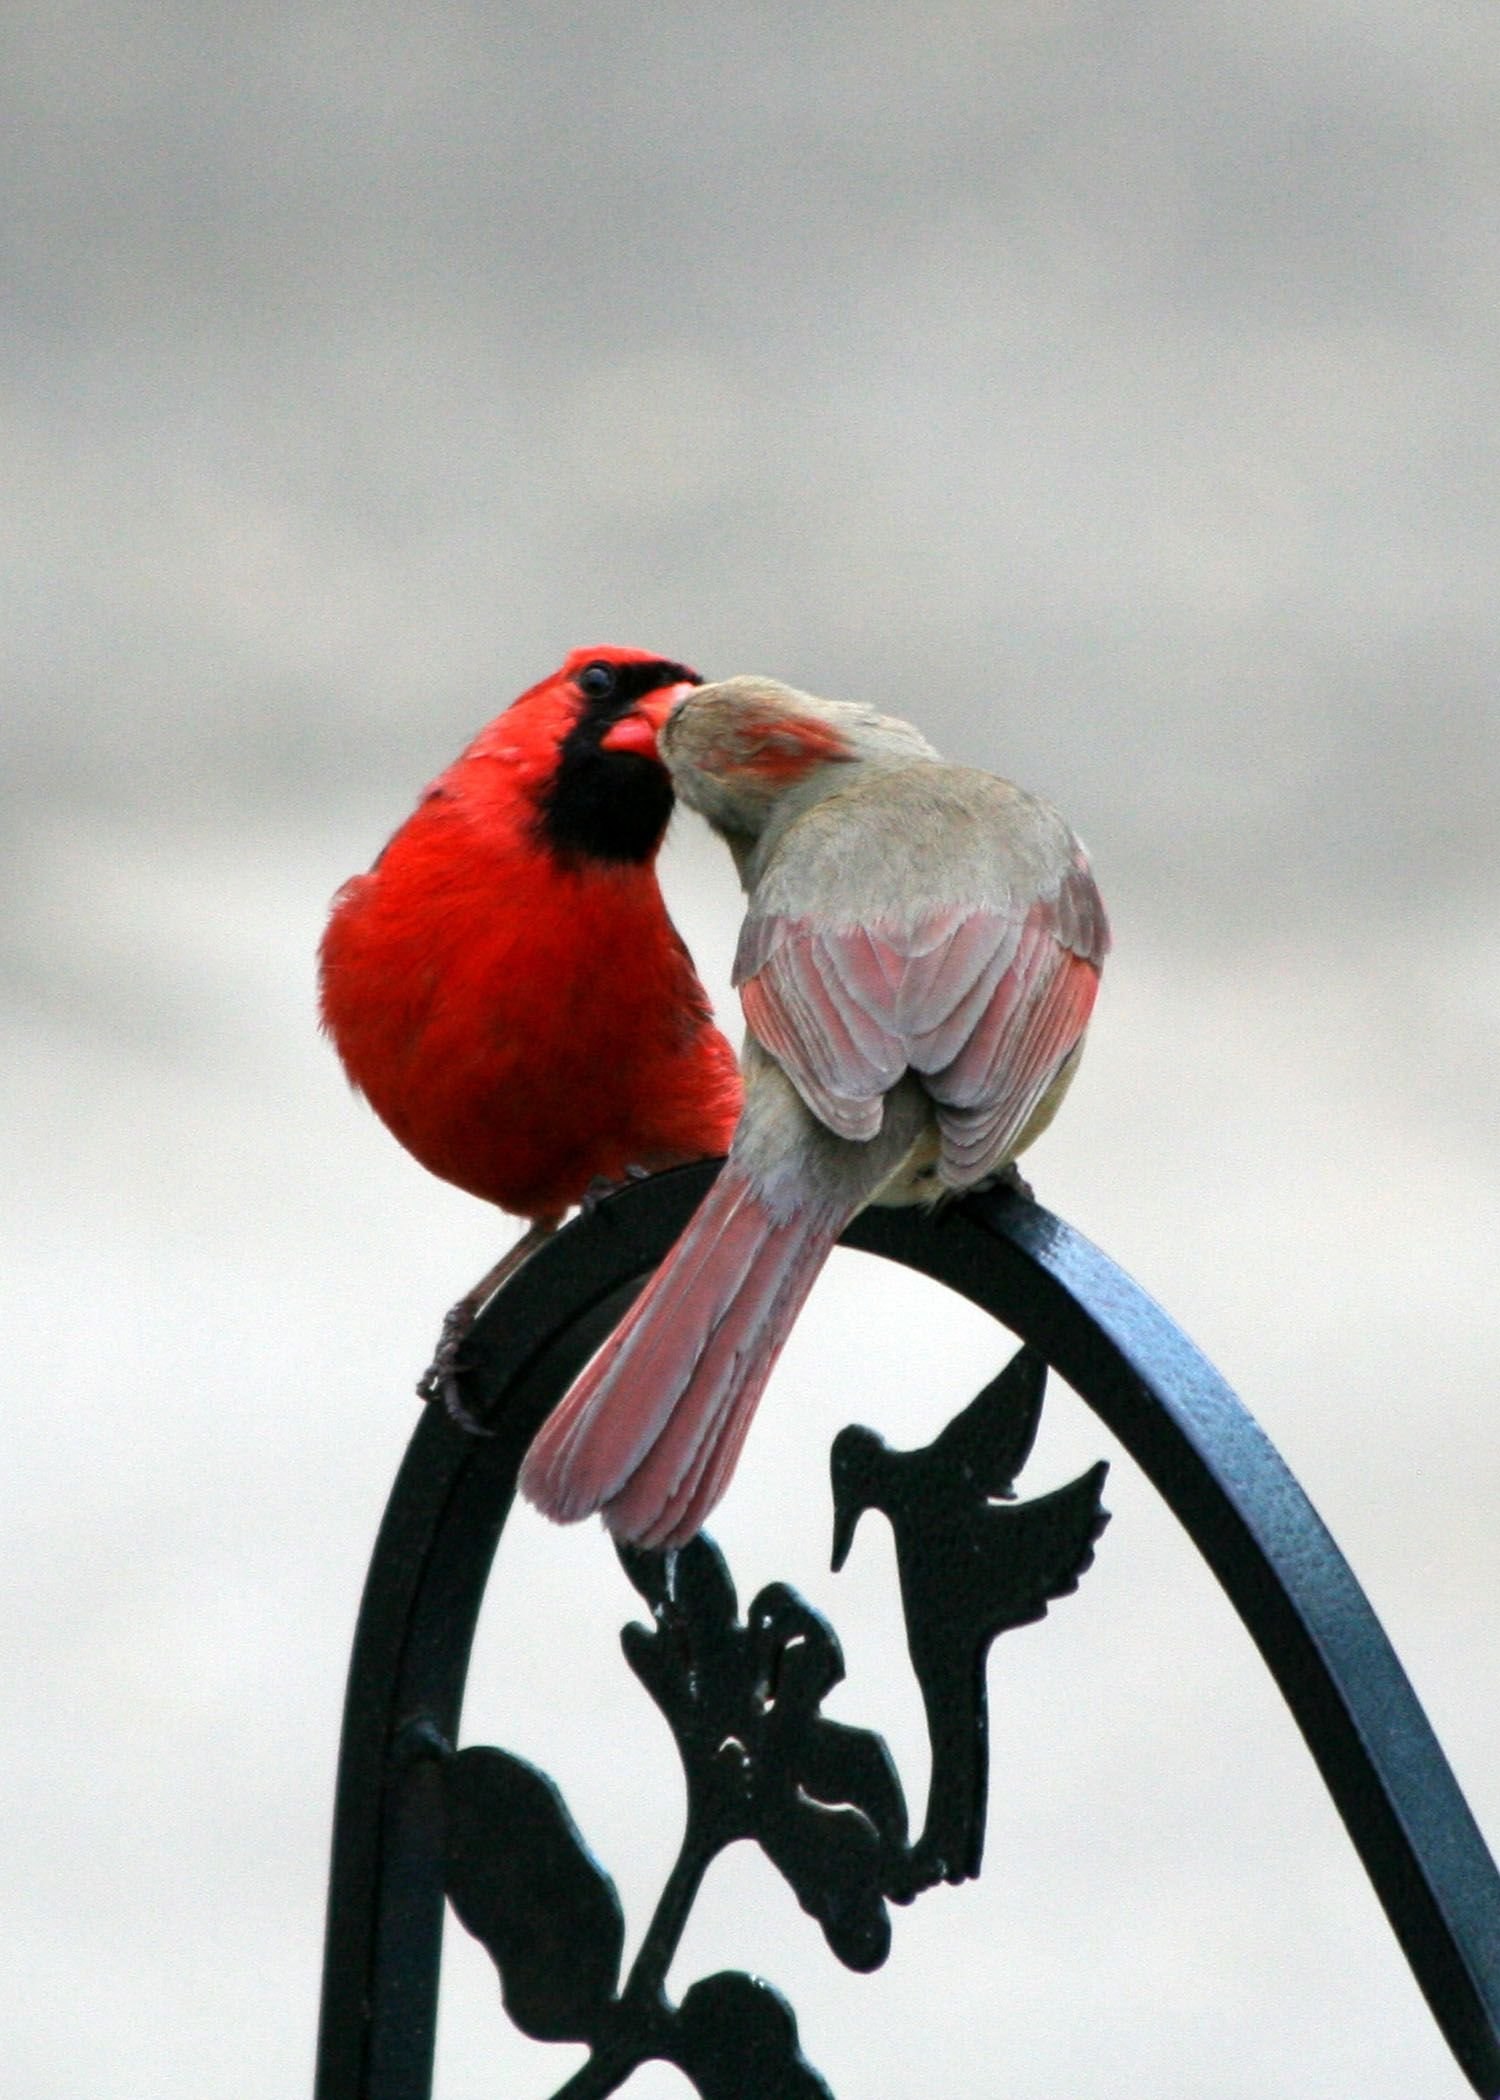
<point x="599" y="1188"/>
<point x="441" y="1380"/>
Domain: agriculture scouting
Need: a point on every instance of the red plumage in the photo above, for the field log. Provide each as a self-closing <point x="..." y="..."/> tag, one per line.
<point x="505" y="986"/>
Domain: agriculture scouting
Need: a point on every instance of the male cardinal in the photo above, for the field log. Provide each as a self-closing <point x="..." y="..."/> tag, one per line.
<point x="505" y="986"/>
<point x="917" y="968"/>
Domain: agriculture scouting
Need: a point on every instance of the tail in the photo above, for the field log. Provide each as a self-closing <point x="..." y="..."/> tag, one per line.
<point x="650" y="1433"/>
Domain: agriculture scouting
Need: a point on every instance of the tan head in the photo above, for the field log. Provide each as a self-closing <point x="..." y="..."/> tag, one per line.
<point x="736" y="750"/>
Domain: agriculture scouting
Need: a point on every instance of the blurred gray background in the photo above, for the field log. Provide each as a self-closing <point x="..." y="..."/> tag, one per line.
<point x="1112" y="388"/>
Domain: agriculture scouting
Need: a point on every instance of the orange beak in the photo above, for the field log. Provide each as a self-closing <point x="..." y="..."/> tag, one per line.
<point x="639" y="730"/>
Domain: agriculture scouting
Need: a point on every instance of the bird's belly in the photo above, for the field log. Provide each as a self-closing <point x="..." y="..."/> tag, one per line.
<point x="919" y="1177"/>
<point x="534" y="1108"/>
<point x="1050" y="1102"/>
<point x="915" y="1179"/>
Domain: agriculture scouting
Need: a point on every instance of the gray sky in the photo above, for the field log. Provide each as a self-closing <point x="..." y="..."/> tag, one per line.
<point x="1112" y="389"/>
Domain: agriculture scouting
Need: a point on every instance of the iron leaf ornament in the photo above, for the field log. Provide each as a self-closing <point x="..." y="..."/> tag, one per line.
<point x="823" y="1800"/>
<point x="762" y="1761"/>
<point x="523" y="1882"/>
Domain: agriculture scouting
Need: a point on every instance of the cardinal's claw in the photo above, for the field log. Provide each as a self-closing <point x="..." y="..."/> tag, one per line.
<point x="458" y="1413"/>
<point x="601" y="1186"/>
<point x="440" y="1381"/>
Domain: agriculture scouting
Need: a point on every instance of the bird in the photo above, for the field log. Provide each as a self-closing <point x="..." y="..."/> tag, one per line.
<point x="917" y="966"/>
<point x="972" y="1563"/>
<point x="505" y="986"/>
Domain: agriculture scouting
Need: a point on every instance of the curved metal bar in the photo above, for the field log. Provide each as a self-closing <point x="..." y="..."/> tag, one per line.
<point x="1178" y="1419"/>
<point x="1245" y="1512"/>
<point x="422" y="1596"/>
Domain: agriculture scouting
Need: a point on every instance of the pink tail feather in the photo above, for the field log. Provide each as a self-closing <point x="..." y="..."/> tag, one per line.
<point x="651" y="1432"/>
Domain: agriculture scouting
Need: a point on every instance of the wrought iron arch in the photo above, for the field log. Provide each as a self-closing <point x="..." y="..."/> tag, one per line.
<point x="403" y="1790"/>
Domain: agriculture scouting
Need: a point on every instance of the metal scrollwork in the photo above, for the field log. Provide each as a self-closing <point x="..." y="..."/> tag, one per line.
<point x="743" y="1700"/>
<point x="420" y="1823"/>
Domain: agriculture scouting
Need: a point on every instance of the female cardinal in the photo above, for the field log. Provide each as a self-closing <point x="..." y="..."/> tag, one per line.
<point x="505" y="986"/>
<point x="917" y="968"/>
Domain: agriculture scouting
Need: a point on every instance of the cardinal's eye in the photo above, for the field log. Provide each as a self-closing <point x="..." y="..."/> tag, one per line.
<point x="596" y="681"/>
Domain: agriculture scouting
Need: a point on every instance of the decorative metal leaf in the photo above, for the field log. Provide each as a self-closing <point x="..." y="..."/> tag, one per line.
<point x="799" y="1661"/>
<point x="736" y="2039"/>
<point x="832" y="1860"/>
<point x="822" y="1799"/>
<point x="830" y="1799"/>
<point x="523" y="1882"/>
<point x="691" y="1661"/>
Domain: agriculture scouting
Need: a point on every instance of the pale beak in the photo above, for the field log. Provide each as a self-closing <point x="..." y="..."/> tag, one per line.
<point x="638" y="730"/>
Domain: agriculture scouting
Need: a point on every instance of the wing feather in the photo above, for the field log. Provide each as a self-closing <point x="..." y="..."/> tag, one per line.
<point x="984" y="1004"/>
<point x="982" y="1130"/>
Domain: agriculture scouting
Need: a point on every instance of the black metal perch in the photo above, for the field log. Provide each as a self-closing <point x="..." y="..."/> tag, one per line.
<point x="419" y="1822"/>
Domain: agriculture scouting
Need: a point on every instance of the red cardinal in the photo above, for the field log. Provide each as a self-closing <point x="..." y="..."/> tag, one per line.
<point x="917" y="968"/>
<point x="505" y="986"/>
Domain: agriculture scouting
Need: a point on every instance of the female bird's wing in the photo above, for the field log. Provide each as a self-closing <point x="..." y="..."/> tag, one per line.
<point x="984" y="1003"/>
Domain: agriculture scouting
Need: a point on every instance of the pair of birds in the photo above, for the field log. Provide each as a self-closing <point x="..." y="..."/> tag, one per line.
<point x="917" y="967"/>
